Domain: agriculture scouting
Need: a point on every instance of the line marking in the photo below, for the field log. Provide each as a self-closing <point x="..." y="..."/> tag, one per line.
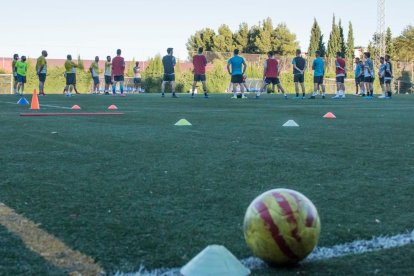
<point x="320" y="253"/>
<point x="49" y="247"/>
<point x="44" y="105"/>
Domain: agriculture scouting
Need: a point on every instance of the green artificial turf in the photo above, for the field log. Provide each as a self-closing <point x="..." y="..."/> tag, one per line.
<point x="136" y="190"/>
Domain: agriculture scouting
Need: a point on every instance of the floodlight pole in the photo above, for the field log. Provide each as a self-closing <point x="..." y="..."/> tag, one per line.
<point x="381" y="27"/>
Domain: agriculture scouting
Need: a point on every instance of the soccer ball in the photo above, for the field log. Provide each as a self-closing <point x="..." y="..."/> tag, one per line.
<point x="281" y="227"/>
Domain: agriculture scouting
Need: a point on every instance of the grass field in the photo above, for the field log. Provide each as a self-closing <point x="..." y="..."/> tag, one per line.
<point x="136" y="190"/>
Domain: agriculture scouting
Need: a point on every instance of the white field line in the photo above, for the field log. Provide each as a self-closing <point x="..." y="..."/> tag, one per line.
<point x="319" y="254"/>
<point x="44" y="105"/>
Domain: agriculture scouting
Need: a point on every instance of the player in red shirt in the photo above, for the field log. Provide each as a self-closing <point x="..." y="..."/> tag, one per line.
<point x="200" y="62"/>
<point x="340" y="76"/>
<point x="118" y="68"/>
<point x="271" y="75"/>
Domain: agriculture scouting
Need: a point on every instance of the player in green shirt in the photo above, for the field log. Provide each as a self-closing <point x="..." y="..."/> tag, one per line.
<point x="21" y="71"/>
<point x="15" y="59"/>
<point x="70" y="73"/>
<point x="41" y="70"/>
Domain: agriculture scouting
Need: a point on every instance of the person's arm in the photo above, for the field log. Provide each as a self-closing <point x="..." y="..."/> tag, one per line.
<point x="264" y="69"/>
<point x="313" y="65"/>
<point x="228" y="68"/>
<point x="295" y="67"/>
<point x="244" y="67"/>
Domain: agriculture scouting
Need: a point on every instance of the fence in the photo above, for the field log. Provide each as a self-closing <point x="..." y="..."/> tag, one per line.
<point x="6" y="84"/>
<point x="128" y="86"/>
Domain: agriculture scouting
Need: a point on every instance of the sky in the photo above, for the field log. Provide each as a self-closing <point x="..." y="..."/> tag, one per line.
<point x="144" y="28"/>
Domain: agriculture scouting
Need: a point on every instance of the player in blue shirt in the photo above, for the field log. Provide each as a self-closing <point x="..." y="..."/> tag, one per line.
<point x="318" y="68"/>
<point x="236" y="66"/>
<point x="359" y="77"/>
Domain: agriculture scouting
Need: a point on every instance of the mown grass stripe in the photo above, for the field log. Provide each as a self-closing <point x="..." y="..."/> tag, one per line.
<point x="48" y="246"/>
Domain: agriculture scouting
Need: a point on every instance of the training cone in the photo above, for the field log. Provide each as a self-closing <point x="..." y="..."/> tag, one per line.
<point x="76" y="107"/>
<point x="291" y="123"/>
<point x="329" y="115"/>
<point x="23" y="101"/>
<point x="35" y="101"/>
<point x="183" y="122"/>
<point x="112" y="107"/>
<point x="214" y="260"/>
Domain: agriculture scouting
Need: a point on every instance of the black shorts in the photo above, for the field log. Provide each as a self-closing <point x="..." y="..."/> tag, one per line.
<point x="388" y="81"/>
<point x="21" y="78"/>
<point x="108" y="80"/>
<point x="118" y="78"/>
<point x="340" y="79"/>
<point x="318" y="80"/>
<point x="359" y="79"/>
<point x="70" y="78"/>
<point x="382" y="81"/>
<point x="237" y="79"/>
<point x="200" y="77"/>
<point x="42" y="77"/>
<point x="274" y="81"/>
<point x="368" y="79"/>
<point x="137" y="80"/>
<point x="95" y="80"/>
<point x="169" y="77"/>
<point x="300" y="78"/>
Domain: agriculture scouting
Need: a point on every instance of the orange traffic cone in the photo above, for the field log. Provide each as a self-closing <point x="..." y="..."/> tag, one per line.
<point x="113" y="107"/>
<point x="35" y="101"/>
<point x="76" y="107"/>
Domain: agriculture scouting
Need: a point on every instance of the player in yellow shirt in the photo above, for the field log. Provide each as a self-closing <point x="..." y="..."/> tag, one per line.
<point x="41" y="70"/>
<point x="70" y="73"/>
<point x="15" y="59"/>
<point x="94" y="69"/>
<point x="21" y="71"/>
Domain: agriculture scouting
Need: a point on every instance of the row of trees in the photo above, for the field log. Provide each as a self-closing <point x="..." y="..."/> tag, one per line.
<point x="257" y="39"/>
<point x="261" y="38"/>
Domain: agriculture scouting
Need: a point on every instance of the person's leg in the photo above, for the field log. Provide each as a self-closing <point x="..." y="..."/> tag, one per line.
<point x="242" y="87"/>
<point x="297" y="89"/>
<point x="173" y="88"/>
<point x="204" y="88"/>
<point x="302" y="84"/>
<point x="121" y="87"/>
<point x="193" y="88"/>
<point x="114" y="87"/>
<point x="362" y="88"/>
<point x="163" y="88"/>
<point x="343" y="89"/>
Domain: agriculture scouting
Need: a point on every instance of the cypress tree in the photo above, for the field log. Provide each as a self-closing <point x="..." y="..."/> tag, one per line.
<point x="350" y="44"/>
<point x="315" y="38"/>
<point x="334" y="40"/>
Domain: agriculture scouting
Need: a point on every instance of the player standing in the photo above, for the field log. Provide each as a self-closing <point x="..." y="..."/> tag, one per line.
<point x="21" y="71"/>
<point x="137" y="78"/>
<point x="118" y="69"/>
<point x="15" y="60"/>
<point x="169" y="63"/>
<point x="299" y="67"/>
<point x="41" y="70"/>
<point x="340" y="76"/>
<point x="94" y="69"/>
<point x="359" y="77"/>
<point x="238" y="68"/>
<point x="199" y="63"/>
<point x="108" y="74"/>
<point x="388" y="76"/>
<point x="271" y="75"/>
<point x="369" y="75"/>
<point x="318" y="68"/>
<point x="70" y="74"/>
<point x="381" y="75"/>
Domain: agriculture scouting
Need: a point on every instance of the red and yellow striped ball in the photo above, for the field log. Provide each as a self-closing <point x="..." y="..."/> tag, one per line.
<point x="281" y="227"/>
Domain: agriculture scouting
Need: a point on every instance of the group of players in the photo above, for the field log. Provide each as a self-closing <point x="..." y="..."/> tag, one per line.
<point x="236" y="67"/>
